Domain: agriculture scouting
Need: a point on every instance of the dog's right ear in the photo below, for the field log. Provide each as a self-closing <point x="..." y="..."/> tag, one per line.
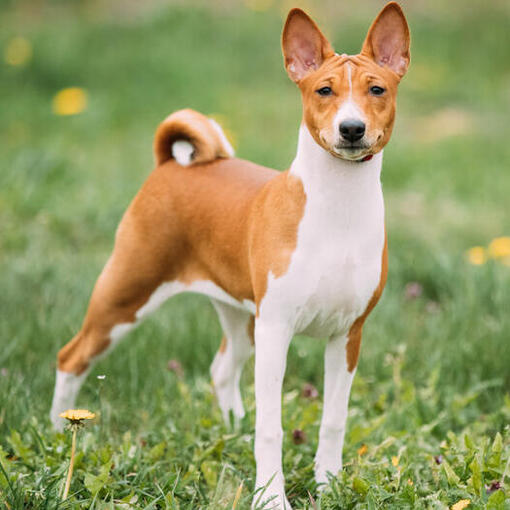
<point x="304" y="46"/>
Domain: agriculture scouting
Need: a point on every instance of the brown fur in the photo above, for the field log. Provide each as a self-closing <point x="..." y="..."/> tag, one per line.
<point x="251" y="330"/>
<point x="273" y="245"/>
<point x="227" y="220"/>
<point x="163" y="236"/>
<point x="191" y="126"/>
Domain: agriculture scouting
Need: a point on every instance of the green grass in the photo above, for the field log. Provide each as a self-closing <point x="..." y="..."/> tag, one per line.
<point x="432" y="388"/>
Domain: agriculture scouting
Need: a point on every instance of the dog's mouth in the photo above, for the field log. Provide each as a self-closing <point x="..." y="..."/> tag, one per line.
<point x="352" y="152"/>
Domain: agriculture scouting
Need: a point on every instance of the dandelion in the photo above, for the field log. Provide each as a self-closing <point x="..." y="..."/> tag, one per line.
<point x="394" y="461"/>
<point x="75" y="418"/>
<point x="477" y="255"/>
<point x="18" y="52"/>
<point x="499" y="248"/>
<point x="70" y="101"/>
<point x="362" y="450"/>
<point x="461" y="504"/>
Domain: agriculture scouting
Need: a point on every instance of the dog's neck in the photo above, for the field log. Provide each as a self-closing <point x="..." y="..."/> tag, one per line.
<point x="334" y="182"/>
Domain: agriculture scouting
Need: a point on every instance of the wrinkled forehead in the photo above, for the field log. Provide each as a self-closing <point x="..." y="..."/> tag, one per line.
<point x="346" y="69"/>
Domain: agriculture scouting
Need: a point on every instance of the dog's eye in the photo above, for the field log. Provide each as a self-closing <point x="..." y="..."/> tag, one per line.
<point x="324" y="91"/>
<point x="377" y="91"/>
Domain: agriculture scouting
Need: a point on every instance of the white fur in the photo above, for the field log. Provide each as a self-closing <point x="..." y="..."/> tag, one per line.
<point x="182" y="151"/>
<point x="226" y="144"/>
<point x="67" y="387"/>
<point x="349" y="108"/>
<point x="337" y="386"/>
<point x="272" y="340"/>
<point x="332" y="275"/>
<point x="227" y="366"/>
<point x="336" y="265"/>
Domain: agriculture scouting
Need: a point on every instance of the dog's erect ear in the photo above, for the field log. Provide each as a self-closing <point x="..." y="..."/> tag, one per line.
<point x="388" y="39"/>
<point x="304" y="46"/>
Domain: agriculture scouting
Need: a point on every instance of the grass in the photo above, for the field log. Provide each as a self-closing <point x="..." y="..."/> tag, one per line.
<point x="430" y="407"/>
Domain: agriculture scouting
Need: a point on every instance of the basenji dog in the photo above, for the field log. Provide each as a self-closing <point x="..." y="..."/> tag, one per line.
<point x="279" y="253"/>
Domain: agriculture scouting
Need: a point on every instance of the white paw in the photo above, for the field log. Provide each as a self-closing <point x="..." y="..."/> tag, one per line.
<point x="324" y="470"/>
<point x="67" y="386"/>
<point x="230" y="404"/>
<point x="56" y="420"/>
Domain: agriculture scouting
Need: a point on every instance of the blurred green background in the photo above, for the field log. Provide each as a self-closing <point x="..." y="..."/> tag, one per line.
<point x="65" y="181"/>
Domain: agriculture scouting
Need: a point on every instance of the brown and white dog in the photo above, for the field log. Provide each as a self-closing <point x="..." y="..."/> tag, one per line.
<point x="302" y="251"/>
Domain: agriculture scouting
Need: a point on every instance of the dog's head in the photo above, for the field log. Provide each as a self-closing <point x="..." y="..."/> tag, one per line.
<point x="348" y="100"/>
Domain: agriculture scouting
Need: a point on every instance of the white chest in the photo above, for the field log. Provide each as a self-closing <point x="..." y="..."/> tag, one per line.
<point x="336" y="265"/>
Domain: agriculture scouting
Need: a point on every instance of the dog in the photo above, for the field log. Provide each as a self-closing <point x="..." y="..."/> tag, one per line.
<point x="278" y="253"/>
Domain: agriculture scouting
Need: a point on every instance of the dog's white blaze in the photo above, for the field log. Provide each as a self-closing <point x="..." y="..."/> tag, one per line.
<point x="224" y="140"/>
<point x="182" y="151"/>
<point x="349" y="108"/>
<point x="332" y="275"/>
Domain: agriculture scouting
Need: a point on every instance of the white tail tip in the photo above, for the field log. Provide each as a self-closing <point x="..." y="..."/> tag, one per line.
<point x="182" y="151"/>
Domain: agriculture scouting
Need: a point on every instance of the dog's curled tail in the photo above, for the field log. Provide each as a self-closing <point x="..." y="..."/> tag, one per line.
<point x="190" y="137"/>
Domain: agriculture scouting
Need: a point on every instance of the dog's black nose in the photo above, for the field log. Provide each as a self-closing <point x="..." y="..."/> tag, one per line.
<point x="352" y="130"/>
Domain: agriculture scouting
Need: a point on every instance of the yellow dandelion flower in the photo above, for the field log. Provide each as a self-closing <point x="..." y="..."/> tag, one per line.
<point x="70" y="101"/>
<point x="477" y="255"/>
<point x="18" y="51"/>
<point x="410" y="482"/>
<point x="394" y="461"/>
<point x="77" y="415"/>
<point x="362" y="449"/>
<point x="499" y="248"/>
<point x="461" y="504"/>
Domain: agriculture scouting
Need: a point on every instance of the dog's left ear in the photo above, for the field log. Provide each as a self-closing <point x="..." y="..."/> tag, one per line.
<point x="303" y="44"/>
<point x="388" y="39"/>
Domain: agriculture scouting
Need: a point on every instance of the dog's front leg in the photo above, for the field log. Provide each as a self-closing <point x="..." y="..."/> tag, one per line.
<point x="271" y="346"/>
<point x="337" y="386"/>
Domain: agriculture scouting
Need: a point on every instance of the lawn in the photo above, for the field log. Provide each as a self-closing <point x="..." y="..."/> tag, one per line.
<point x="430" y="407"/>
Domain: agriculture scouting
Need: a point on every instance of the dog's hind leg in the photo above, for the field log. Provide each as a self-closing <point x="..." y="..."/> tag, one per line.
<point x="125" y="292"/>
<point x="236" y="347"/>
